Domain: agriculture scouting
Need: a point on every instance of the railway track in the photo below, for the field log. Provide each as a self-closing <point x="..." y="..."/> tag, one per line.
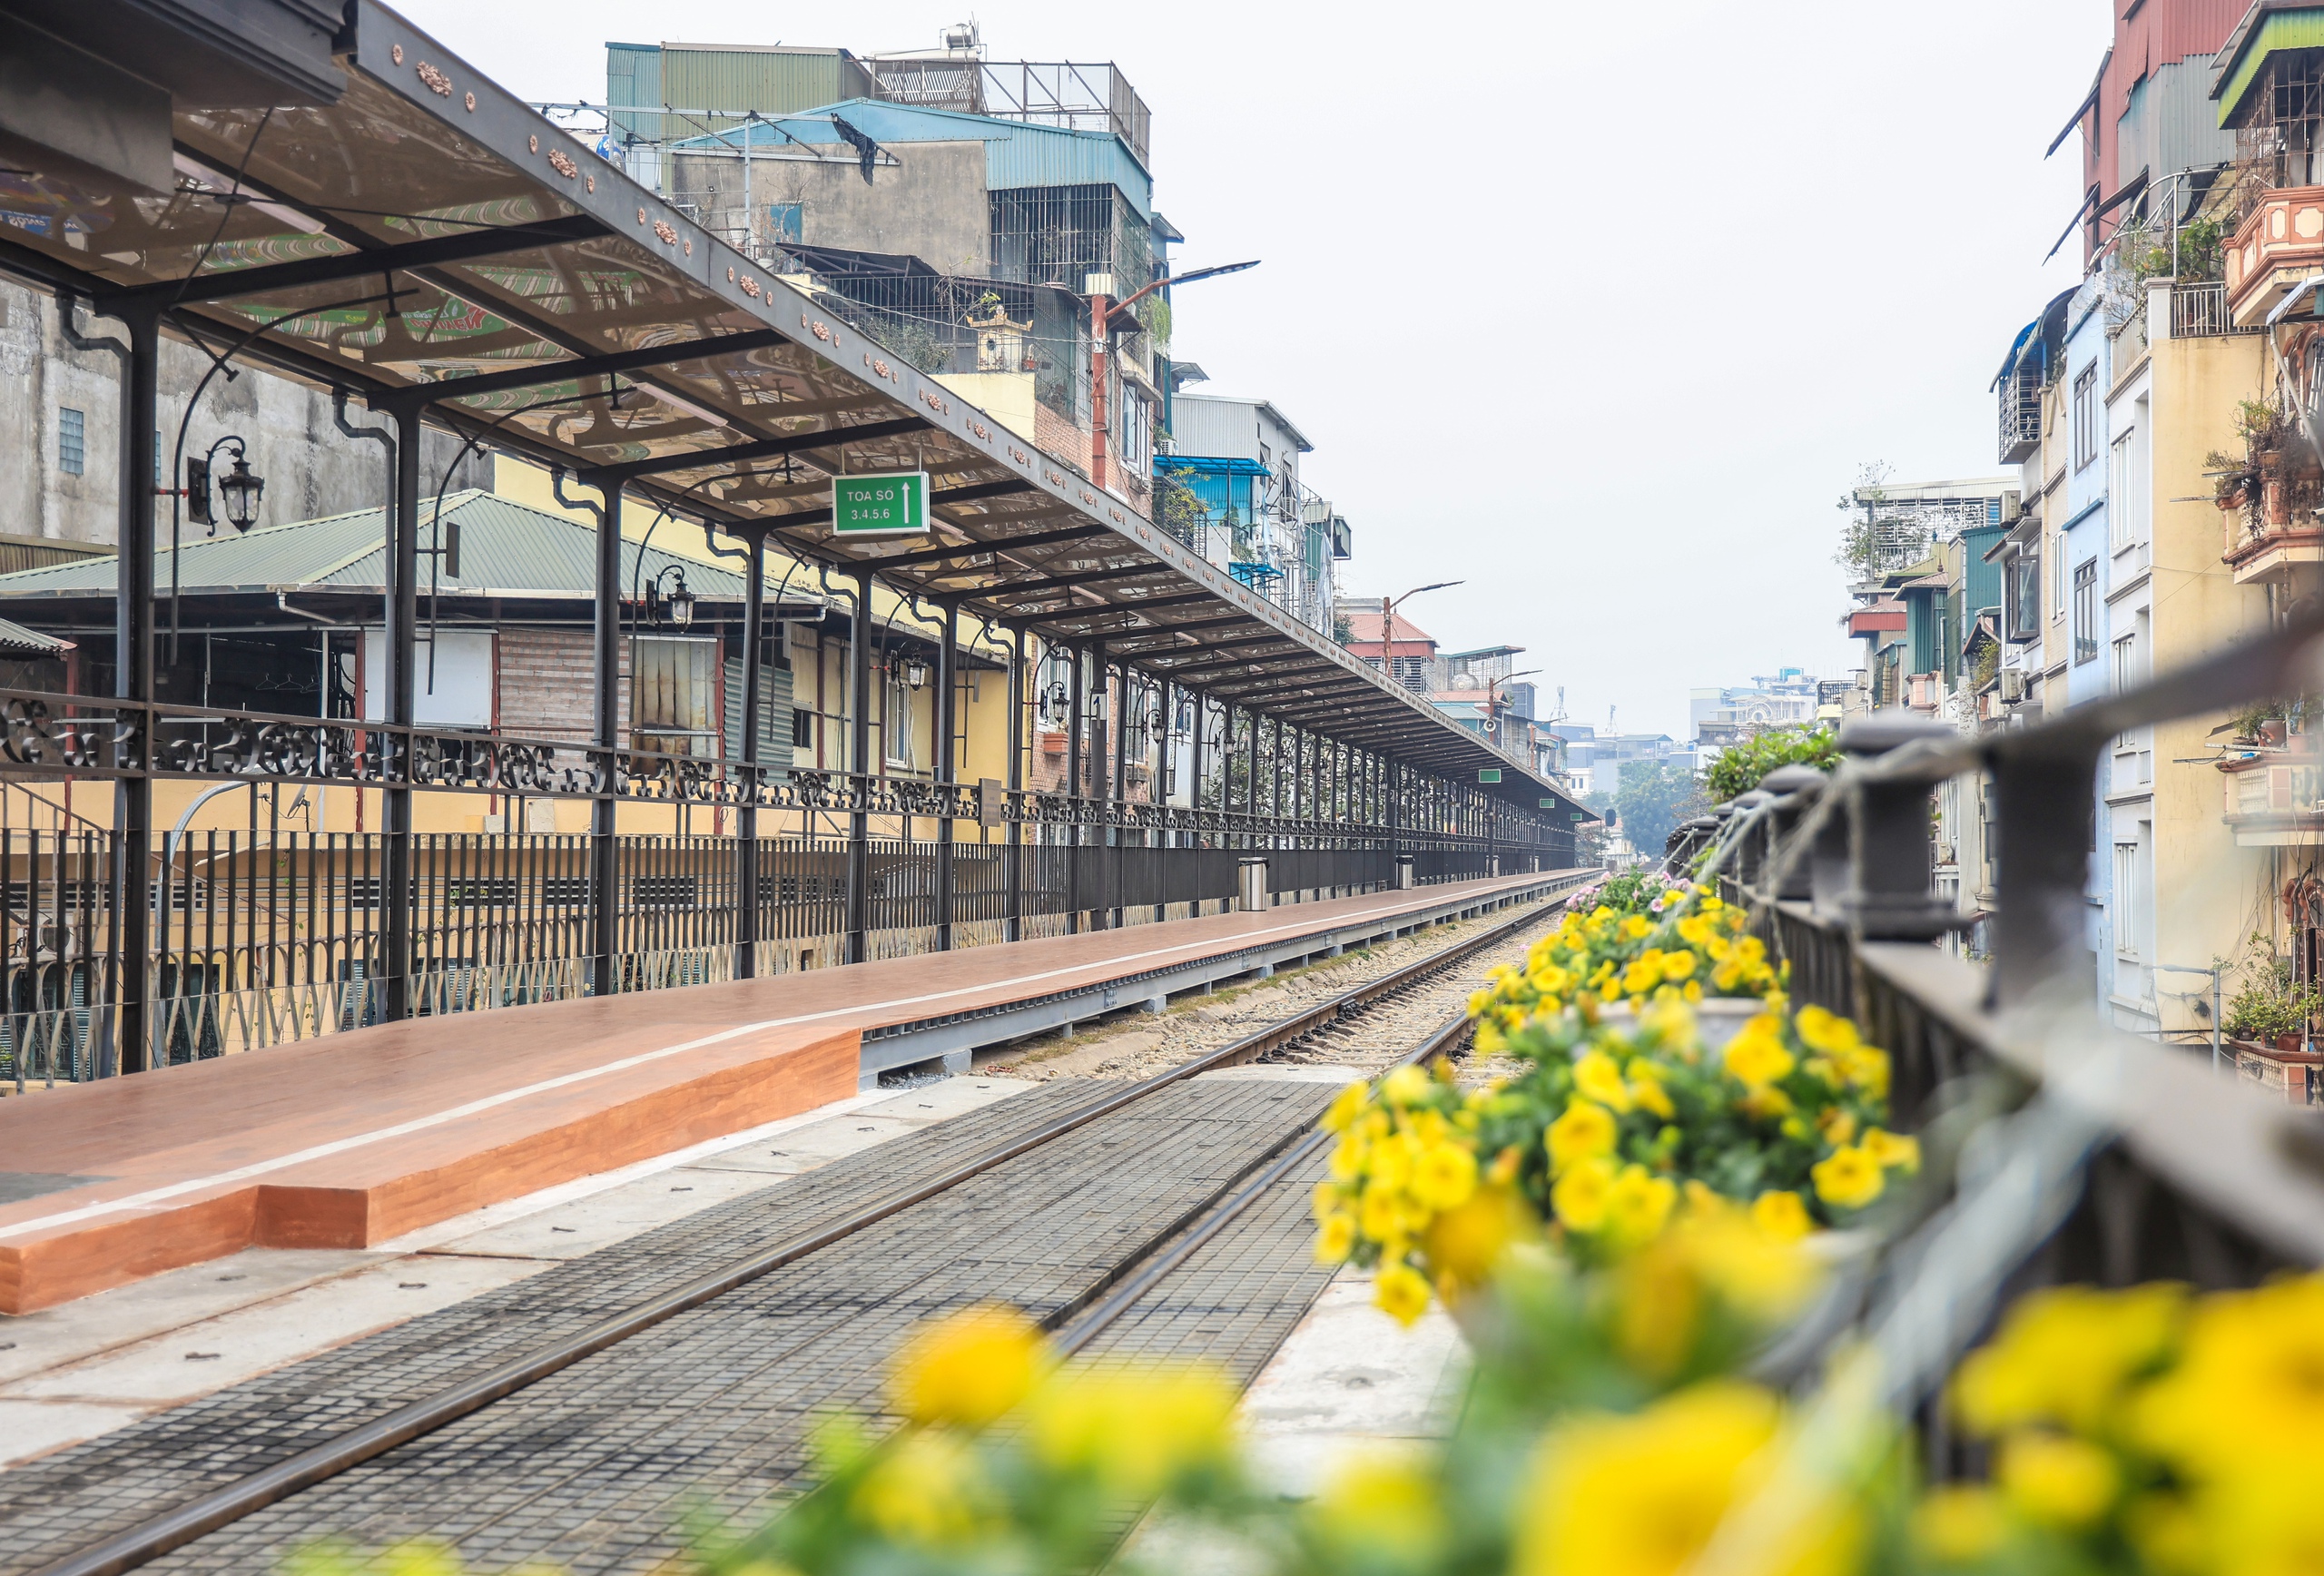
<point x="1057" y="1167"/>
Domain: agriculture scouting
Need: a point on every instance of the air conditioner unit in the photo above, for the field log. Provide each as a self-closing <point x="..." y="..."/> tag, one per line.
<point x="2013" y="686"/>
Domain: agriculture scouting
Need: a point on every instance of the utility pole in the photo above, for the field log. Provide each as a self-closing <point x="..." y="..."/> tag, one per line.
<point x="1102" y="308"/>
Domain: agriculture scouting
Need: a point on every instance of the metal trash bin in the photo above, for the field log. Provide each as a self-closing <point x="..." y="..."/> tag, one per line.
<point x="1250" y="884"/>
<point x="1405" y="864"/>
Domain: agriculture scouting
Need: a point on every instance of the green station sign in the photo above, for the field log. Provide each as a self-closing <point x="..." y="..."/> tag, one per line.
<point x="1489" y="774"/>
<point x="890" y="505"/>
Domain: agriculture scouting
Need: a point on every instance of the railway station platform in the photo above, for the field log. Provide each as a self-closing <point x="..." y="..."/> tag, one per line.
<point x="354" y="1138"/>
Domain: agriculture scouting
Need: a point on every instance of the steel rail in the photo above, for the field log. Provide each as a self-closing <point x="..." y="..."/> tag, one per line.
<point x="206" y="1513"/>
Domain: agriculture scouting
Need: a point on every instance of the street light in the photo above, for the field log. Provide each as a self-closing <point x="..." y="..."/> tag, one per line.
<point x="1102" y="308"/>
<point x="677" y="602"/>
<point x="915" y="671"/>
<point x="1388" y="606"/>
<point x="239" y="490"/>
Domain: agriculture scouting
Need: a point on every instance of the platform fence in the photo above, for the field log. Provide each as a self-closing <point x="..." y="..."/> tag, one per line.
<point x="264" y="938"/>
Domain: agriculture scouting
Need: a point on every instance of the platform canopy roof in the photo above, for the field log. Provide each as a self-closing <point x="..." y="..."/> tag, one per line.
<point x="415" y="232"/>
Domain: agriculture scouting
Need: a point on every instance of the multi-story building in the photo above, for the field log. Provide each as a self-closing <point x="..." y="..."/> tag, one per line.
<point x="1237" y="496"/>
<point x="2122" y="402"/>
<point x="1787" y="698"/>
<point x="968" y="213"/>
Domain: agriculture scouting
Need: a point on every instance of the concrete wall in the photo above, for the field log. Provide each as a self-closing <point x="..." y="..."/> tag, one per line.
<point x="310" y="467"/>
<point x="933" y="207"/>
<point x="2209" y="893"/>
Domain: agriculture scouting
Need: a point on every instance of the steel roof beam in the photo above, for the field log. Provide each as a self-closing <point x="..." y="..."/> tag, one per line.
<point x="230" y="285"/>
<point x="1016" y="590"/>
<point x="649" y="356"/>
<point x="1000" y="544"/>
<point x="757" y="448"/>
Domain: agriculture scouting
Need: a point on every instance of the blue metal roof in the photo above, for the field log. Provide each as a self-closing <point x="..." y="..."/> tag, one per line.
<point x="1017" y="154"/>
<point x="1212" y="465"/>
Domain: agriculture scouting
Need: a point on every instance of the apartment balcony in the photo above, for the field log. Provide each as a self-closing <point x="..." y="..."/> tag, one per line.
<point x="2280" y="246"/>
<point x="2275" y="798"/>
<point x="2277" y="537"/>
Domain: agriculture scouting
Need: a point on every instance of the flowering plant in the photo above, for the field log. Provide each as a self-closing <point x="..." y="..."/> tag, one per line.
<point x="1596" y="1143"/>
<point x="2144" y="1429"/>
<point x="1695" y="949"/>
<point x="1640" y="890"/>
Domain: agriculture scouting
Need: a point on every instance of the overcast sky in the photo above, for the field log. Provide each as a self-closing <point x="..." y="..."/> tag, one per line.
<point x="1599" y="308"/>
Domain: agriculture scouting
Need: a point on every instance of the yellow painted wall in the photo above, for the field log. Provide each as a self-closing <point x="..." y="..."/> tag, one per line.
<point x="2208" y="891"/>
<point x="1006" y="397"/>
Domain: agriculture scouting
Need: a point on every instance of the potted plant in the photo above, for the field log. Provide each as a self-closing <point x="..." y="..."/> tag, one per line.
<point x="2269" y="1007"/>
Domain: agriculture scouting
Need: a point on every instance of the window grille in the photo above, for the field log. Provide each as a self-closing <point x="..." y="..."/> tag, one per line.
<point x="72" y="440"/>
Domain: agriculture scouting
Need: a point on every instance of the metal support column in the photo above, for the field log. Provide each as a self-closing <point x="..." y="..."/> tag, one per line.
<point x="1015" y="854"/>
<point x="747" y="819"/>
<point x="1117" y="795"/>
<point x="859" y="762"/>
<point x="604" y="671"/>
<point x="396" y="886"/>
<point x="132" y="876"/>
<point x="947" y="771"/>
<point x="1159" y="792"/>
<point x="1075" y="704"/>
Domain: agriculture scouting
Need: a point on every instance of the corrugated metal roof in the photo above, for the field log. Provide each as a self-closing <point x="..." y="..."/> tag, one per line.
<point x="1017" y="154"/>
<point x="506" y="550"/>
<point x="17" y="641"/>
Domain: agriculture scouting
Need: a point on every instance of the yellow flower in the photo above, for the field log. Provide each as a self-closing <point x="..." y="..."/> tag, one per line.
<point x="1636" y="928"/>
<point x="1653" y="1097"/>
<point x="1585" y="1131"/>
<point x="1959" y="1524"/>
<point x="1580" y="1194"/>
<point x="1756" y="1055"/>
<point x="2056" y="1480"/>
<point x="2168" y="1535"/>
<point x="1135" y="1430"/>
<point x="925" y="1490"/>
<point x="967" y="1368"/>
<point x="1678" y="966"/>
<point x="1639" y="1204"/>
<point x="1836" y="1126"/>
<point x="1782" y="1215"/>
<point x="1847" y="1179"/>
<point x="1894" y="1152"/>
<point x="1490" y="1039"/>
<point x="1400" y="1292"/>
<point x="2064" y="1355"/>
<point x="1464" y="1242"/>
<point x="1766" y="1104"/>
<point x="1598" y="1078"/>
<point x="1641" y="977"/>
<point x="2250" y="1386"/>
<point x="1445" y="1175"/>
<point x="1335" y="1238"/>
<point x="1343" y="1111"/>
<point x="1405" y="1086"/>
<point x="1640" y="1495"/>
<point x="1347" y="1157"/>
<point x="1377" y="1506"/>
<point x="1381" y="1216"/>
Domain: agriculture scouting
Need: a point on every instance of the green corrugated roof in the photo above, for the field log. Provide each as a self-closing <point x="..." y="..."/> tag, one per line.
<point x="506" y="549"/>
<point x="2276" y="30"/>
